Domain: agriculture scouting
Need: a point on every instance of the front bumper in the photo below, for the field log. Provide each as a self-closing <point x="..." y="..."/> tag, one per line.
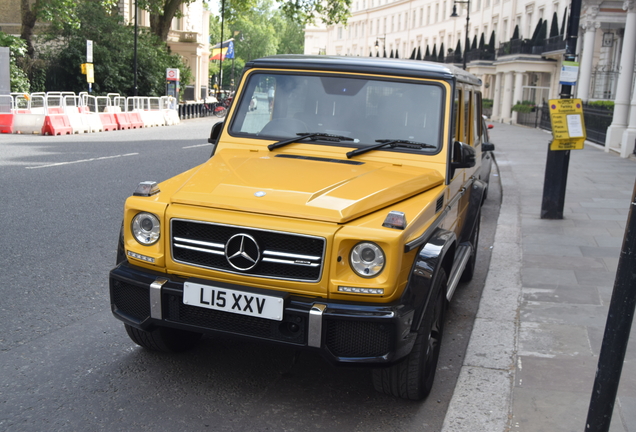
<point x="345" y="333"/>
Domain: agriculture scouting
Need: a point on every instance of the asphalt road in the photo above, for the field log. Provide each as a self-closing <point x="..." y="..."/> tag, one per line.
<point x="67" y="364"/>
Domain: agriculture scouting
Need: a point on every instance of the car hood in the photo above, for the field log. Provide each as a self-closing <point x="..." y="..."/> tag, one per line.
<point x="331" y="190"/>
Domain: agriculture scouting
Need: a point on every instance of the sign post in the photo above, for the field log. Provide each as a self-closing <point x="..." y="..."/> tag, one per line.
<point x="558" y="161"/>
<point x="568" y="126"/>
<point x="90" y="76"/>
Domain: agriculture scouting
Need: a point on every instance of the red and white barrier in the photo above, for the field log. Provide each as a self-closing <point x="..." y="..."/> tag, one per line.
<point x="57" y="124"/>
<point x="61" y="113"/>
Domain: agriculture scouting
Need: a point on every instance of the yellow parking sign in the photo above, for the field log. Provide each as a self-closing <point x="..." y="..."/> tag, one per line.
<point x="568" y="126"/>
<point x="90" y="76"/>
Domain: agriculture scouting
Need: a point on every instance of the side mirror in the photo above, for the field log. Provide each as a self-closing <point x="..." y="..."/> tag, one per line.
<point x="464" y="156"/>
<point x="215" y="133"/>
<point x="486" y="147"/>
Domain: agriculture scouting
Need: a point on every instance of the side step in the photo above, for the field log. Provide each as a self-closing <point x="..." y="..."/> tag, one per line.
<point x="461" y="258"/>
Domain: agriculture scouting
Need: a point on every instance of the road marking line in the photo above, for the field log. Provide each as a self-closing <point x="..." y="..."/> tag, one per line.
<point x="80" y="161"/>
<point x="198" y="145"/>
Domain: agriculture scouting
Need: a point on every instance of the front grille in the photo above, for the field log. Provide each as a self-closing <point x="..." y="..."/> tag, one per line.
<point x="282" y="255"/>
<point x="130" y="299"/>
<point x="358" y="338"/>
<point x="292" y="329"/>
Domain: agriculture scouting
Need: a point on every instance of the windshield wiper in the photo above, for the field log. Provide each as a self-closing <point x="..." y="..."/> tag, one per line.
<point x="392" y="144"/>
<point x="309" y="135"/>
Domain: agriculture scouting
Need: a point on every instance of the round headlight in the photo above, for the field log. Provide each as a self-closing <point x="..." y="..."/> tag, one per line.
<point x="146" y="229"/>
<point x="367" y="259"/>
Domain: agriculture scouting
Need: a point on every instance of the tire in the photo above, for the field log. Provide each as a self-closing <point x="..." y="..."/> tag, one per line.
<point x="121" y="252"/>
<point x="413" y="377"/>
<point x="469" y="270"/>
<point x="163" y="339"/>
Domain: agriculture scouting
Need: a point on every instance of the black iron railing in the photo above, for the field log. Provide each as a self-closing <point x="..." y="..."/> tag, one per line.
<point x="597" y="120"/>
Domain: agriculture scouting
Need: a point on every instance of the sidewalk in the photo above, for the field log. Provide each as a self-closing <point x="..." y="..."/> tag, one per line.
<point x="533" y="352"/>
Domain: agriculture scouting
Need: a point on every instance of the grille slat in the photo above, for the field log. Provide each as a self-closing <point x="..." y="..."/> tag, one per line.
<point x="202" y="244"/>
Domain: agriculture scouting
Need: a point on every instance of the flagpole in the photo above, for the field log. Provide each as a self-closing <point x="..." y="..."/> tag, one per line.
<point x="221" y="56"/>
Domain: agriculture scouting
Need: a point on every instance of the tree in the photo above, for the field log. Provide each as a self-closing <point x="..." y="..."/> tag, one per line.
<point x="473" y="46"/>
<point x="161" y="14"/>
<point x="482" y="42"/>
<point x="55" y="12"/>
<point x="112" y="52"/>
<point x="441" y="53"/>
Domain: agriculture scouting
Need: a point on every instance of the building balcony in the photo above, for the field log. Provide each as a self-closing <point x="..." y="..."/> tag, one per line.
<point x="183" y="36"/>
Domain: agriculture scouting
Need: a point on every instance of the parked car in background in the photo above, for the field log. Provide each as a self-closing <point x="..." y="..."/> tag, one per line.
<point x="487" y="157"/>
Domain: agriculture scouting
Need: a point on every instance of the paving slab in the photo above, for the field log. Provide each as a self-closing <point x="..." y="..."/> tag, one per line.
<point x="542" y="315"/>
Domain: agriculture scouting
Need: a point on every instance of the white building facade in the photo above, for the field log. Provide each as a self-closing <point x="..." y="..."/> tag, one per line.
<point x="515" y="70"/>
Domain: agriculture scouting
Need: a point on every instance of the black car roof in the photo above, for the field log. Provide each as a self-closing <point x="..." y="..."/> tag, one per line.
<point x="373" y="65"/>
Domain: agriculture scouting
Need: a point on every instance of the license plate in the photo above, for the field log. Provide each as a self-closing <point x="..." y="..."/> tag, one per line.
<point x="233" y="301"/>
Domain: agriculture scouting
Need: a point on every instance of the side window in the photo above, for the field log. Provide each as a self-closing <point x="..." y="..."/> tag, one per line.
<point x="456" y="133"/>
<point x="477" y="117"/>
<point x="466" y="118"/>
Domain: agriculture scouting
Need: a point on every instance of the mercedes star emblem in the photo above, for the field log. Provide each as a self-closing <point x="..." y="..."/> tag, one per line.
<point x="242" y="252"/>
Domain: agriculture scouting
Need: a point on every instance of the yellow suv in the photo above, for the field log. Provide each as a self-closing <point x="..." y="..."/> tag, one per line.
<point x="338" y="212"/>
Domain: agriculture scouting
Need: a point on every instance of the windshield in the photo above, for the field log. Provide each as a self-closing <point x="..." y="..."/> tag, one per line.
<point x="282" y="106"/>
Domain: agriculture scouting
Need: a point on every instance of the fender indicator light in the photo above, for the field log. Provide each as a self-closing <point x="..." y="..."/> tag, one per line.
<point x="395" y="220"/>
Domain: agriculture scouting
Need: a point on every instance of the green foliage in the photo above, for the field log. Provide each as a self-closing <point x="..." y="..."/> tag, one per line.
<point x="525" y="106"/>
<point x="608" y="105"/>
<point x="259" y="31"/>
<point x="17" y="48"/>
<point x="113" y="56"/>
<point x="305" y="11"/>
<point x="486" y="103"/>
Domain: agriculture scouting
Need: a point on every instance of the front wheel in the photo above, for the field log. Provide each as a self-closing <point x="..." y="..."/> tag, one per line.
<point x="413" y="377"/>
<point x="163" y="339"/>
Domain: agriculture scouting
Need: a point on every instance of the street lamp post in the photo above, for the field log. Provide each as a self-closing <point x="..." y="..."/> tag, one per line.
<point x="455" y="15"/>
<point x="135" y="55"/>
<point x="377" y="44"/>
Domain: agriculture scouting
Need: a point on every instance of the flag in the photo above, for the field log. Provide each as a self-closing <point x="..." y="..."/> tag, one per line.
<point x="223" y="51"/>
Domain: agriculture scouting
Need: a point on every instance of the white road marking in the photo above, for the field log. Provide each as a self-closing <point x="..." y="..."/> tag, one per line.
<point x="81" y="161"/>
<point x="198" y="145"/>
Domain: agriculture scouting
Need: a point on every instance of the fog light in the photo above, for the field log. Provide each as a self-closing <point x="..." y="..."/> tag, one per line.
<point x="358" y="290"/>
<point x="141" y="257"/>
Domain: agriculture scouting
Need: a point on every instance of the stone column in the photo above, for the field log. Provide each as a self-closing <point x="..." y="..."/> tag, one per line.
<point x="583" y="86"/>
<point x="621" y="104"/>
<point x="517" y="94"/>
<point x="506" y="104"/>
<point x="496" y="100"/>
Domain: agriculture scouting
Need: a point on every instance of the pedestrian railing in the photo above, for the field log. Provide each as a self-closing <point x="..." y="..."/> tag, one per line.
<point x="597" y="120"/>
